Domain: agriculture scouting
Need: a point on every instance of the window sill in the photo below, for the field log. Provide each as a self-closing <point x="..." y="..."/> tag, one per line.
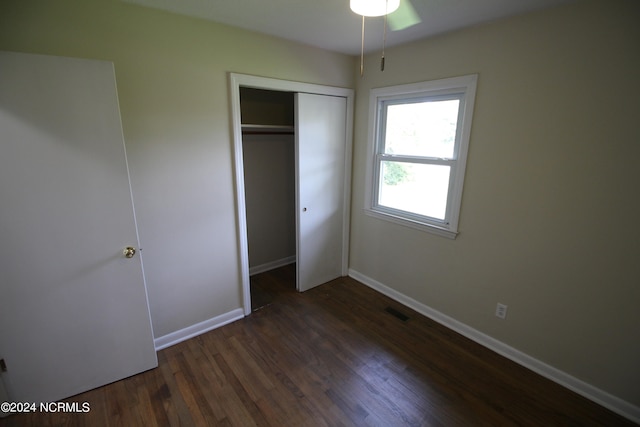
<point x="429" y="228"/>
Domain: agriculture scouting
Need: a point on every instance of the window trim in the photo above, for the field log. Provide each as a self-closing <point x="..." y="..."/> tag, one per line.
<point x="463" y="88"/>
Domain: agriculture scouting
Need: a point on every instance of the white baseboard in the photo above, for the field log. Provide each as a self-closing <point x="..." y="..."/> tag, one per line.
<point x="592" y="393"/>
<point x="197" y="329"/>
<point x="210" y="324"/>
<point x="271" y="265"/>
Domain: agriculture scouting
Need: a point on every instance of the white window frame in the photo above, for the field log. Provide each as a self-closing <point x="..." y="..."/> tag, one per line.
<point x="462" y="88"/>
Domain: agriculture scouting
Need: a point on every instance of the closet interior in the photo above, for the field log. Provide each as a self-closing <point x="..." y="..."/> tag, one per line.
<point x="268" y="147"/>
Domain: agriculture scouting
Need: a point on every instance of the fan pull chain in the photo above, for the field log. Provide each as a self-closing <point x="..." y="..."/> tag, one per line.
<point x="384" y="36"/>
<point x="362" y="50"/>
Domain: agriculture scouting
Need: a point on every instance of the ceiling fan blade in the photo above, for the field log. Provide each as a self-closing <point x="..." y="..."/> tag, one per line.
<point x="405" y="17"/>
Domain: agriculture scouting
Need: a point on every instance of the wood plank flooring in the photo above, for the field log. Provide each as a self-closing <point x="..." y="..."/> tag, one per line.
<point x="332" y="356"/>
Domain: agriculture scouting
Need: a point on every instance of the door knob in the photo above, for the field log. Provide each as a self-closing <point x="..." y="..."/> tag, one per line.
<point x="129" y="251"/>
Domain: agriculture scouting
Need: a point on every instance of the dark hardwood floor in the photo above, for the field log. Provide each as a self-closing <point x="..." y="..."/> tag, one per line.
<point x="337" y="355"/>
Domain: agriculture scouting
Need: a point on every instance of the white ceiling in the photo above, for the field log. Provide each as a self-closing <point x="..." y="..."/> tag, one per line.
<point x="330" y="24"/>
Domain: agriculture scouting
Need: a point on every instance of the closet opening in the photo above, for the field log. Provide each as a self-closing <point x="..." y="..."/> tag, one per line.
<point x="311" y="127"/>
<point x="268" y="149"/>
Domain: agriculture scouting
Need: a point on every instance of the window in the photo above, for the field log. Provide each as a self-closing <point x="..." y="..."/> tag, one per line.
<point x="419" y="138"/>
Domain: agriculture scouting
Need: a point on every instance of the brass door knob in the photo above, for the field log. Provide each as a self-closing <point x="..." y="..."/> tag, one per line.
<point x="129" y="252"/>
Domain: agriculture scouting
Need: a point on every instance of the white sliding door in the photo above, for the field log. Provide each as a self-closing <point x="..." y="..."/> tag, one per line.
<point x="73" y="308"/>
<point x="320" y="154"/>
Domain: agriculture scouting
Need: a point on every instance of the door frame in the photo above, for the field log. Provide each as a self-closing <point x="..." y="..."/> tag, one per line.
<point x="244" y="80"/>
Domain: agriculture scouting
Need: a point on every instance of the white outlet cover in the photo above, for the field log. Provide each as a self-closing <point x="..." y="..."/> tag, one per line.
<point x="501" y="311"/>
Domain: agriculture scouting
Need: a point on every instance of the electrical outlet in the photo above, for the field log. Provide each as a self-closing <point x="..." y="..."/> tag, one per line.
<point x="501" y="311"/>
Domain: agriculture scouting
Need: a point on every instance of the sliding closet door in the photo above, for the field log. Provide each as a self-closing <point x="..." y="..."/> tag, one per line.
<point x="320" y="168"/>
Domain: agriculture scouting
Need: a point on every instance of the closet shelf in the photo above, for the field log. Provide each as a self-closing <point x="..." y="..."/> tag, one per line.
<point x="253" y="129"/>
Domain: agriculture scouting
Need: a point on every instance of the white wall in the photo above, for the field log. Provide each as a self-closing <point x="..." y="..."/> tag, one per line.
<point x="269" y="170"/>
<point x="549" y="220"/>
<point x="172" y="75"/>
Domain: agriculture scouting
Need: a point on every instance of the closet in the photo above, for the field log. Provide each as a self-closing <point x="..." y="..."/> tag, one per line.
<point x="268" y="149"/>
<point x="292" y="145"/>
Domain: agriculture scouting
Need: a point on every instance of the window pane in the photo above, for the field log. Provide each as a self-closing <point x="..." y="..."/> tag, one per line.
<point x="417" y="188"/>
<point x="422" y="128"/>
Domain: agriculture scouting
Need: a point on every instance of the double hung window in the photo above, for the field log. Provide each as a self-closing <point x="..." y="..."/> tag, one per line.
<point x="419" y="142"/>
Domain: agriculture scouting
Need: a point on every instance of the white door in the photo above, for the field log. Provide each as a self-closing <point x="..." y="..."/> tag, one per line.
<point x="4" y="397"/>
<point x="320" y="168"/>
<point x="73" y="309"/>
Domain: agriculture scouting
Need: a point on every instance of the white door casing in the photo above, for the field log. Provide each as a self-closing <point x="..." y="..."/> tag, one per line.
<point x="74" y="313"/>
<point x="242" y="80"/>
<point x="320" y="152"/>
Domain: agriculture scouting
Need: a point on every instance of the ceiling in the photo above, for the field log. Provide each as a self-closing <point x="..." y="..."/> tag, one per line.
<point x="331" y="25"/>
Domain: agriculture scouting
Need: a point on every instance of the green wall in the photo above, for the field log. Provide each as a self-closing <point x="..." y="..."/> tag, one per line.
<point x="550" y="210"/>
<point x="172" y="76"/>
